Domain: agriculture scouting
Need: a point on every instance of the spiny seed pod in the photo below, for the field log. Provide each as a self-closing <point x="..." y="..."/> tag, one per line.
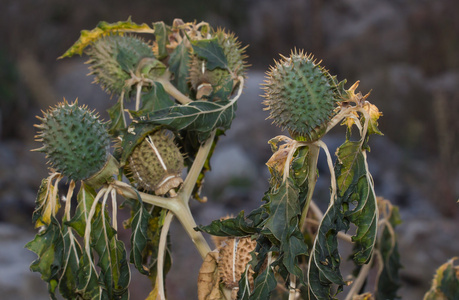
<point x="114" y="57"/>
<point x="206" y="82"/>
<point x="75" y="141"/>
<point x="234" y="255"/>
<point x="157" y="163"/>
<point x="301" y="96"/>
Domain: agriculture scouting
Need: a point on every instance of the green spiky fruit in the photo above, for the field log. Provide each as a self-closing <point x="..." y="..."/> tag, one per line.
<point x="114" y="58"/>
<point x="75" y="141"/>
<point x="156" y="164"/>
<point x="301" y="96"/>
<point x="212" y="81"/>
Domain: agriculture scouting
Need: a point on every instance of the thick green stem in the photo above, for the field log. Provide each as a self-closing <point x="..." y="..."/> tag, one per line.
<point x="312" y="179"/>
<point x="183" y="214"/>
<point x="196" y="168"/>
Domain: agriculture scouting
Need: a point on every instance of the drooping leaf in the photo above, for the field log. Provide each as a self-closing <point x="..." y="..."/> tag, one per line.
<point x="445" y="283"/>
<point x="70" y="263"/>
<point x="116" y="112"/>
<point x="356" y="193"/>
<point x="115" y="273"/>
<point x="212" y="52"/>
<point x="282" y="222"/>
<point x="139" y="237"/>
<point x="388" y="278"/>
<point x="201" y="117"/>
<point x="237" y="226"/>
<point x="292" y="247"/>
<point x="88" y="279"/>
<point x="48" y="246"/>
<point x="47" y="203"/>
<point x="161" y="34"/>
<point x="324" y="265"/>
<point x="85" y="200"/>
<point x="319" y="285"/>
<point x="264" y="284"/>
<point x="283" y="208"/>
<point x="179" y="62"/>
<point x="103" y="29"/>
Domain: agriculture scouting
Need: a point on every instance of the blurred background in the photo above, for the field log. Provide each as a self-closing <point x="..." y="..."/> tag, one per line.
<point x="405" y="52"/>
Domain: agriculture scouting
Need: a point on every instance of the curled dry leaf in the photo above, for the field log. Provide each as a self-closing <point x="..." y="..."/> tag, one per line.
<point x="209" y="279"/>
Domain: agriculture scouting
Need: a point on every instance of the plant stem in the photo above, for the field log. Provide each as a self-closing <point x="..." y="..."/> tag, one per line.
<point x="183" y="214"/>
<point x="173" y="91"/>
<point x="196" y="168"/>
<point x="161" y="252"/>
<point x="358" y="283"/>
<point x="176" y="205"/>
<point x="312" y="179"/>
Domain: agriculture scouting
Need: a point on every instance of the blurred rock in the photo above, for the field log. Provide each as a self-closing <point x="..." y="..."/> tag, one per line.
<point x="17" y="282"/>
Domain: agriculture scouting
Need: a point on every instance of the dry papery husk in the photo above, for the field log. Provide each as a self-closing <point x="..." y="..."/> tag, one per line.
<point x="225" y="265"/>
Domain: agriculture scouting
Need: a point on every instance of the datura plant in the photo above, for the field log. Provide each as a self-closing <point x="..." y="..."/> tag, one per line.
<point x="183" y="81"/>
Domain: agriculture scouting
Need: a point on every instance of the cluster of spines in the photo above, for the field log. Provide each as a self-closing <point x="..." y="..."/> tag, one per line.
<point x="156" y="164"/>
<point x="300" y="95"/>
<point x="114" y="58"/>
<point x="75" y="141"/>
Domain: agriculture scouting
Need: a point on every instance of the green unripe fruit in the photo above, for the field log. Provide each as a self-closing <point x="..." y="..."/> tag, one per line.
<point x="212" y="81"/>
<point x="301" y="96"/>
<point x="114" y="58"/>
<point x="75" y="141"/>
<point x="156" y="164"/>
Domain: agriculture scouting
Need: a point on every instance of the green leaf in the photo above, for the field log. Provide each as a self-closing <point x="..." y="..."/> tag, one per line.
<point x="161" y="34"/>
<point x="48" y="246"/>
<point x="85" y="200"/>
<point x="116" y="118"/>
<point x="445" y="283"/>
<point x="355" y="189"/>
<point x="179" y="62"/>
<point x="115" y="272"/>
<point x="292" y="247"/>
<point x="70" y="264"/>
<point x="229" y="227"/>
<point x="389" y="279"/>
<point x="133" y="136"/>
<point x="103" y="29"/>
<point x="88" y="279"/>
<point x="155" y="99"/>
<point x="212" y="52"/>
<point x="283" y="208"/>
<point x="264" y="284"/>
<point x="319" y="285"/>
<point x="324" y="265"/>
<point x="139" y="237"/>
<point x="201" y="117"/>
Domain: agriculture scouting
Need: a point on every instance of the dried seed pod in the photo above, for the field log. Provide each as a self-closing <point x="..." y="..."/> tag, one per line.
<point x="301" y="96"/>
<point x="75" y="141"/>
<point x="156" y="164"/>
<point x="234" y="255"/>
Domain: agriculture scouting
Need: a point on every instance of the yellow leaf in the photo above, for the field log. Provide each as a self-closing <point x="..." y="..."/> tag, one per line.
<point x="103" y="29"/>
<point x="47" y="202"/>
